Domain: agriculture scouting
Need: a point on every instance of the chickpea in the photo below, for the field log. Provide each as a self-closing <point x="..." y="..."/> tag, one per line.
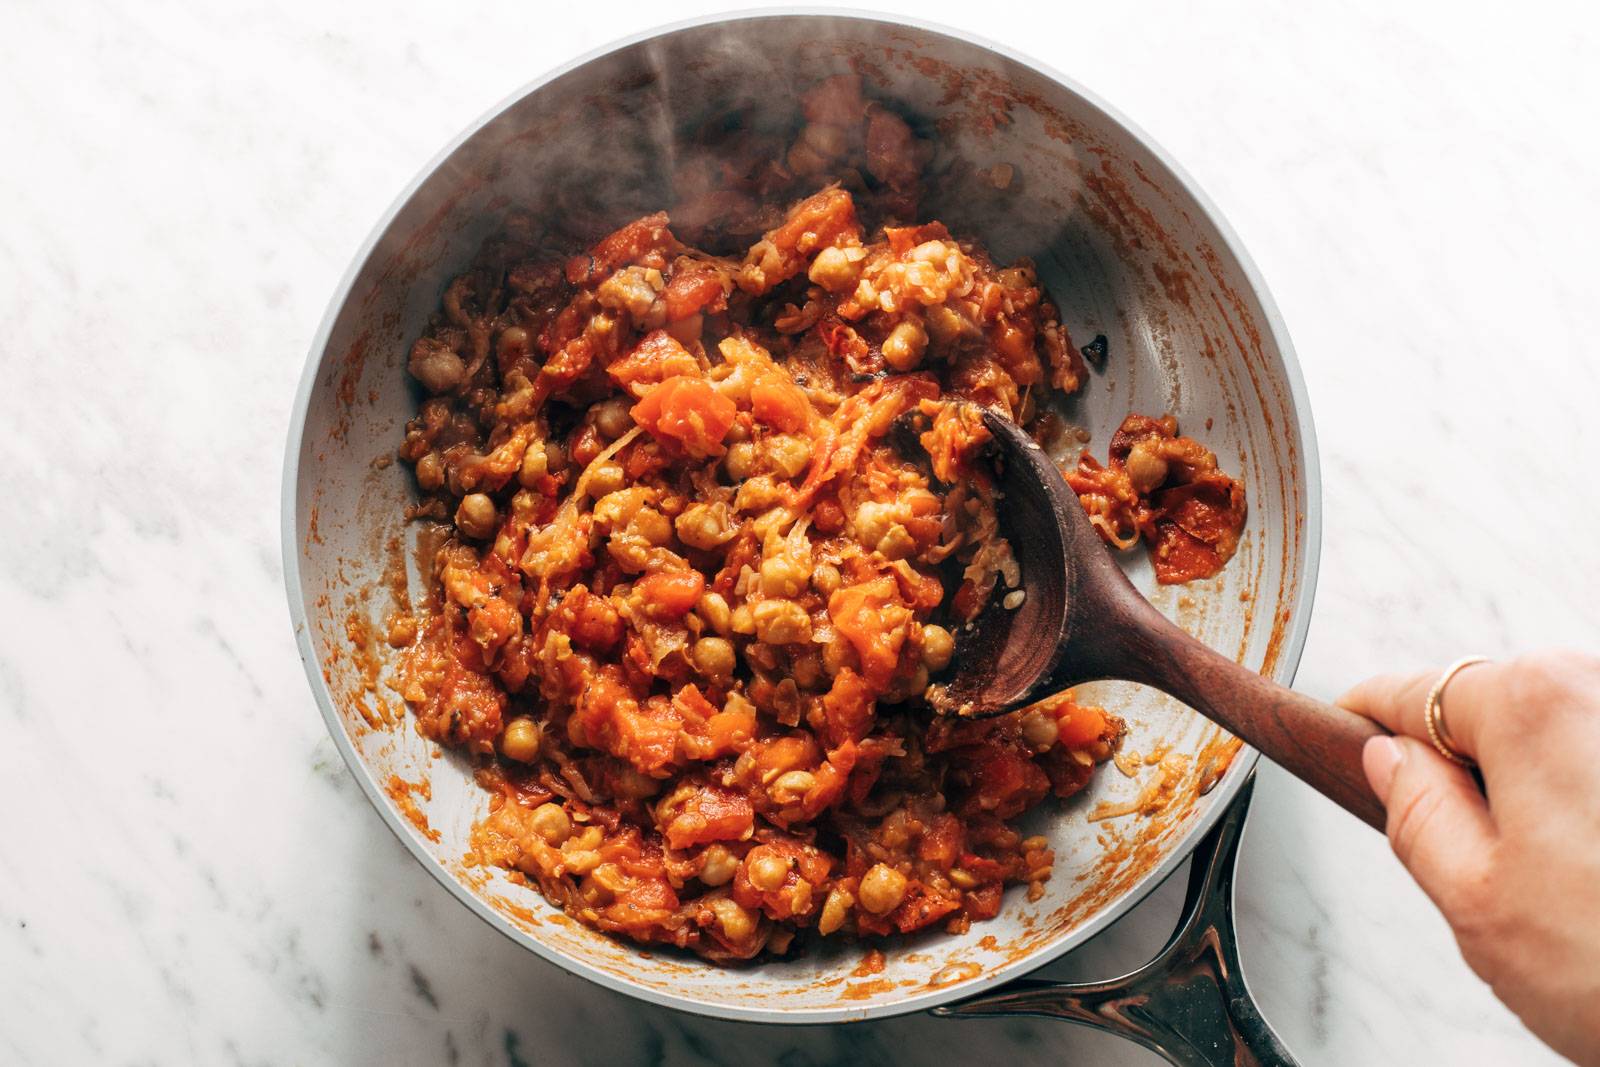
<point x="766" y="869"/>
<point x="612" y="878"/>
<point x="764" y="658"/>
<point x="783" y="576"/>
<point x="631" y="783"/>
<point x="826" y="579"/>
<point x="788" y="454"/>
<point x="587" y="839"/>
<point x="713" y="608"/>
<point x="436" y="365"/>
<point x="834" y="270"/>
<point x="826" y="139"/>
<point x="758" y="494"/>
<point x="904" y="346"/>
<point x="713" y="657"/>
<point x="737" y="923"/>
<point x="512" y="343"/>
<point x="837" y="655"/>
<point x="704" y="526"/>
<point x="606" y="478"/>
<point x="653" y="526"/>
<point x="872" y="521"/>
<point x="781" y="622"/>
<point x="791" y="786"/>
<point x="938" y="646"/>
<point x="1146" y="469"/>
<point x="835" y="910"/>
<point x="580" y="861"/>
<point x="897" y="543"/>
<point x="579" y="855"/>
<point x="430" y="472"/>
<point x="535" y="465"/>
<point x="555" y="456"/>
<point x="476" y="516"/>
<point x="618" y="509"/>
<point x="944" y="324"/>
<point x="551" y="823"/>
<point x="1040" y="729"/>
<point x="807" y="670"/>
<point x="962" y="878"/>
<point x="717" y="865"/>
<point x="882" y="889"/>
<point x="908" y="687"/>
<point x="687" y="331"/>
<point x="611" y="417"/>
<point x="671" y="502"/>
<point x="740" y="462"/>
<point x="743" y="620"/>
<point x="520" y="741"/>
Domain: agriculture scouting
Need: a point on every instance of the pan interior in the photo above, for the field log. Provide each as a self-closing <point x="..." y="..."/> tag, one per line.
<point x="1124" y="249"/>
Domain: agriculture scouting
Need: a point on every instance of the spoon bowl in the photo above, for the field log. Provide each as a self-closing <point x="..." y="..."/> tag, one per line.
<point x="1080" y="619"/>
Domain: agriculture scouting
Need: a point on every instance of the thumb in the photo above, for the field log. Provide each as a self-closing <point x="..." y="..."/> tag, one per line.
<point x="1438" y="823"/>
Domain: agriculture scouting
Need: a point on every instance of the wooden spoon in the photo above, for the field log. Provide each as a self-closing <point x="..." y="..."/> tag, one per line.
<point x="1081" y="619"/>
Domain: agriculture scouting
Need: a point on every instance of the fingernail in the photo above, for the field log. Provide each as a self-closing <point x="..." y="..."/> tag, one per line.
<point x="1380" y="757"/>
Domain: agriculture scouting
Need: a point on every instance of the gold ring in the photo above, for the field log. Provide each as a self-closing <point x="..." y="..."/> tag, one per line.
<point x="1433" y="713"/>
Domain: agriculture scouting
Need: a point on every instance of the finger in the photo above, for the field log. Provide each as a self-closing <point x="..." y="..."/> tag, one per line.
<point x="1399" y="703"/>
<point x="1438" y="823"/>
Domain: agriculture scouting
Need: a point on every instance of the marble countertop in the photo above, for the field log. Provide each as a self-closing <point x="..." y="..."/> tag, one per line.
<point x="190" y="875"/>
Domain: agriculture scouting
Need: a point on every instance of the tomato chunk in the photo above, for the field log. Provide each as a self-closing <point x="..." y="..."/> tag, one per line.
<point x="670" y="594"/>
<point x="688" y="412"/>
<point x="708" y="813"/>
<point x="653" y="360"/>
<point x="780" y="404"/>
<point x="872" y="619"/>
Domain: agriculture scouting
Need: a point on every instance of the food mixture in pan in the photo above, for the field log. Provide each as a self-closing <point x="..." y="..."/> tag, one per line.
<point x="692" y="594"/>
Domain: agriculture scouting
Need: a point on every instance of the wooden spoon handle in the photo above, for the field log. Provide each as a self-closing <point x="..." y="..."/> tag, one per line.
<point x="1316" y="742"/>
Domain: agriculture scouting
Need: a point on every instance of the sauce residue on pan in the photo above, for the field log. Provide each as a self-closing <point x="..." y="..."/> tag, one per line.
<point x="872" y="963"/>
<point x="867" y="990"/>
<point x="404" y="794"/>
<point x="956" y="972"/>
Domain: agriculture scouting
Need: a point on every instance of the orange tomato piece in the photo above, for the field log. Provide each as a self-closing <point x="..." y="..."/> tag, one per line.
<point x="780" y="404"/>
<point x="686" y="411"/>
<point x="871" y="617"/>
<point x="644" y="241"/>
<point x="653" y="360"/>
<point x="710" y="814"/>
<point x="693" y="289"/>
<point x="670" y="594"/>
<point x="848" y="706"/>
<point x="608" y="716"/>
<point x="1079" y="725"/>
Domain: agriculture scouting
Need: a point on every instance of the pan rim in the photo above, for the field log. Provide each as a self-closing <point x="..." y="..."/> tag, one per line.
<point x="1288" y="663"/>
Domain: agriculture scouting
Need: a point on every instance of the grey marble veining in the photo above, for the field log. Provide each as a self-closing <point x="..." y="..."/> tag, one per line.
<point x="190" y="875"/>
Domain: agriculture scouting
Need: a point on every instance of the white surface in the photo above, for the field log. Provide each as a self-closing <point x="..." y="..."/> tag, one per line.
<point x="189" y="874"/>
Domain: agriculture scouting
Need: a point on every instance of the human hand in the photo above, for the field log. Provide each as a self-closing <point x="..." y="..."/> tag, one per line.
<point x="1516" y="872"/>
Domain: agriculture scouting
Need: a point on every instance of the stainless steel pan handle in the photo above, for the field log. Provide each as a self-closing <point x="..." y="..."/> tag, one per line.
<point x="1190" y="1003"/>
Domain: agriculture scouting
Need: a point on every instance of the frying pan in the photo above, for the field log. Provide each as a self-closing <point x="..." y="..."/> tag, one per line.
<point x="1127" y="247"/>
